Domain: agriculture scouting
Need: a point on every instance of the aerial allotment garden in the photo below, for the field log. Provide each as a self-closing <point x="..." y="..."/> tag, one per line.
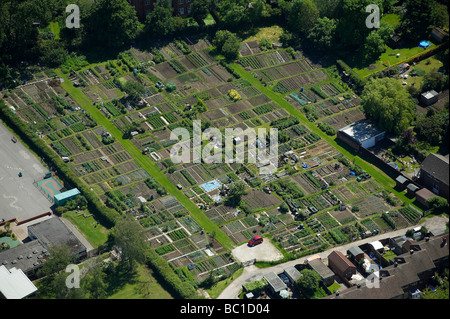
<point x="120" y="149"/>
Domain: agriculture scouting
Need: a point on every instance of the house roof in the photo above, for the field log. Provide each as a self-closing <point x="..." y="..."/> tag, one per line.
<point x="412" y="187"/>
<point x="425" y="194"/>
<point x="430" y="94"/>
<point x="292" y="273"/>
<point x="437" y="166"/>
<point x="26" y="257"/>
<point x="68" y="194"/>
<point x="318" y="266"/>
<point x="355" y="251"/>
<point x="405" y="273"/>
<point x="14" y="284"/>
<point x="401" y="179"/>
<point x="361" y="131"/>
<point x="377" y="245"/>
<point x="275" y="282"/>
<point x="341" y="262"/>
<point x="54" y="232"/>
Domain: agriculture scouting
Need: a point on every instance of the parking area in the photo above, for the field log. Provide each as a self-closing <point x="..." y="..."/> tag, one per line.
<point x="19" y="198"/>
<point x="265" y="251"/>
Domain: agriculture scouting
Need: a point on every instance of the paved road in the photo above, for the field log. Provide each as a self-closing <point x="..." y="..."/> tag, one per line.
<point x="251" y="273"/>
<point x="18" y="197"/>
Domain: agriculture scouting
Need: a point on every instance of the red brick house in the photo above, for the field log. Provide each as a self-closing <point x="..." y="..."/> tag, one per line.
<point x="434" y="174"/>
<point x="341" y="265"/>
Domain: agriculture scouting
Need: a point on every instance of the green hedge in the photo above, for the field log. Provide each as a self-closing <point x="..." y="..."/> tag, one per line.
<point x="356" y="79"/>
<point x="161" y="267"/>
<point x="105" y="215"/>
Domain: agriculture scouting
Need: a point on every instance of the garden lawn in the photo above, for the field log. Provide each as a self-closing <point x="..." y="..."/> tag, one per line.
<point x="391" y="19"/>
<point x="146" y="163"/>
<point x="95" y="233"/>
<point x="142" y="286"/>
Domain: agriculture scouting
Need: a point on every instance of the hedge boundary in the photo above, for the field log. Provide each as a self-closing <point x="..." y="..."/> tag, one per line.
<point x="103" y="214"/>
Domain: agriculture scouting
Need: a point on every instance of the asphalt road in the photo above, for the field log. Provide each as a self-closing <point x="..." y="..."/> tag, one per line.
<point x="18" y="197"/>
<point x="252" y="273"/>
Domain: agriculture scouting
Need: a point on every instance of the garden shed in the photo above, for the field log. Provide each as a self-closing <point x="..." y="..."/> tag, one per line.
<point x="275" y="282"/>
<point x="429" y="97"/>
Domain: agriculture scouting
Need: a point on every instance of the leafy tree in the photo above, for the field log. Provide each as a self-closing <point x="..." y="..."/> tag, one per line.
<point x="438" y="205"/>
<point x="431" y="128"/>
<point x="227" y="43"/>
<point x="303" y="16"/>
<point x="160" y="22"/>
<point x="129" y="236"/>
<point x="351" y="29"/>
<point x="388" y="104"/>
<point x="328" y="8"/>
<point x="52" y="53"/>
<point x="308" y="282"/>
<point x="434" y="81"/>
<point x="200" y="10"/>
<point x="417" y="19"/>
<point x="237" y="190"/>
<point x="373" y="46"/>
<point x="135" y="90"/>
<point x="284" y="208"/>
<point x="113" y="23"/>
<point x="322" y="34"/>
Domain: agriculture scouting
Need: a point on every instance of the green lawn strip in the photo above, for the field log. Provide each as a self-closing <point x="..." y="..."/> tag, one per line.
<point x="95" y="233"/>
<point x="146" y="163"/>
<point x="379" y="175"/>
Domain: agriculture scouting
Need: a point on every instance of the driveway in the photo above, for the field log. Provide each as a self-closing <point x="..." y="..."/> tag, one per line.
<point x="265" y="251"/>
<point x="435" y="224"/>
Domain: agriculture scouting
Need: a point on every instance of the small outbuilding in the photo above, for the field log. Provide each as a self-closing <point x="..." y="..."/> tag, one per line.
<point x="275" y="282"/>
<point x="429" y="97"/>
<point x="355" y="253"/>
<point x="326" y="275"/>
<point x="401" y="181"/>
<point x="412" y="189"/>
<point x="293" y="274"/>
<point x="424" y="195"/>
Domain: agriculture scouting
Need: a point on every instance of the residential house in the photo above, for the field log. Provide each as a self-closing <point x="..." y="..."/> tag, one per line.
<point x="434" y="174"/>
<point x="410" y="272"/>
<point x="341" y="265"/>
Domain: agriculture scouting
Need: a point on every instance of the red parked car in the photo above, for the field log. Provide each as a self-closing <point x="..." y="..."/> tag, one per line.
<point x="255" y="241"/>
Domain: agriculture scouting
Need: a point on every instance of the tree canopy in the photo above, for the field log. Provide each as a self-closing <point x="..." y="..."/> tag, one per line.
<point x="388" y="104"/>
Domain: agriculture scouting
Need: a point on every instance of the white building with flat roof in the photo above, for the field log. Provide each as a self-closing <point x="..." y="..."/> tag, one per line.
<point x="14" y="284"/>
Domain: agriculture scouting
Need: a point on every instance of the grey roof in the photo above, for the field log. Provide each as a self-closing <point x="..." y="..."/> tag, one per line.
<point x="437" y="166"/>
<point x="406" y="272"/>
<point x="292" y="273"/>
<point x="318" y="266"/>
<point x="275" y="282"/>
<point x="355" y="251"/>
<point x="412" y="187"/>
<point x="430" y="94"/>
<point x="26" y="257"/>
<point x="361" y="130"/>
<point x="53" y="232"/>
<point x="401" y="179"/>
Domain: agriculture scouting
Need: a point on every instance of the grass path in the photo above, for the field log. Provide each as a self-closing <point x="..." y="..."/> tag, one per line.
<point x="146" y="163"/>
<point x="378" y="174"/>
